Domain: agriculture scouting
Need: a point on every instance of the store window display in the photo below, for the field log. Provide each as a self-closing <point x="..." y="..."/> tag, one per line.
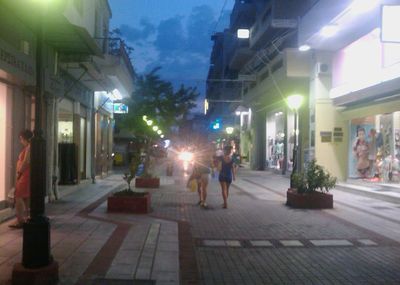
<point x="375" y="148"/>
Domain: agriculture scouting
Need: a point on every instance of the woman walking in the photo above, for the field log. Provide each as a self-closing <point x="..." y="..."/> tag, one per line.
<point x="226" y="173"/>
<point x="22" y="184"/>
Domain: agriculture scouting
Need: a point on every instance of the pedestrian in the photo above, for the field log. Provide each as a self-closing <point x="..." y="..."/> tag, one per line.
<point x="203" y="166"/>
<point x="22" y="184"/>
<point x="226" y="173"/>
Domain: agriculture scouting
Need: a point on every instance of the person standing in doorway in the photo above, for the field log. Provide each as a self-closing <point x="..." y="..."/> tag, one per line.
<point x="226" y="173"/>
<point x="22" y="184"/>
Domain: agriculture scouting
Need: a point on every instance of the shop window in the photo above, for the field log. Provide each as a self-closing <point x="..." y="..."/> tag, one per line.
<point x="374" y="149"/>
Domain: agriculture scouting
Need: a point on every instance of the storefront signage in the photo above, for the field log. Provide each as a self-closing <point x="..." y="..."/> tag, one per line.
<point x="20" y="63"/>
<point x="337" y="135"/>
<point x="120" y="108"/>
<point x="326" y="136"/>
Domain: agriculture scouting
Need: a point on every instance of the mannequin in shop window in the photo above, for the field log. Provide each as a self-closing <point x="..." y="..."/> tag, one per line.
<point x="360" y="149"/>
<point x="279" y="151"/>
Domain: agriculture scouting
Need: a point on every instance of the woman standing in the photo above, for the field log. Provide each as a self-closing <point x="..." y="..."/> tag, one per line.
<point x="226" y="173"/>
<point x="22" y="184"/>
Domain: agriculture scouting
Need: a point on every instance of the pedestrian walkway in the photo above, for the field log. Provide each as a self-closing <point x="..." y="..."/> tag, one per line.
<point x="257" y="240"/>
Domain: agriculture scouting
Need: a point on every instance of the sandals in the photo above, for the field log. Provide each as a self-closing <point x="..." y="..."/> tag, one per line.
<point x="16" y="226"/>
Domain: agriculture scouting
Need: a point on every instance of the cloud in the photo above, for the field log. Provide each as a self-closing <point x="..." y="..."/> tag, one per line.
<point x="198" y="29"/>
<point x="170" y="40"/>
<point x="145" y="30"/>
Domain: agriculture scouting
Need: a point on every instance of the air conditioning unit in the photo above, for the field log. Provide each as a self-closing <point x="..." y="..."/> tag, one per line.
<point x="323" y="68"/>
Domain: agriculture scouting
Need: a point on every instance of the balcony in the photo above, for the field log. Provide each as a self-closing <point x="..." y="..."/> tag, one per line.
<point x="243" y="15"/>
<point x="241" y="55"/>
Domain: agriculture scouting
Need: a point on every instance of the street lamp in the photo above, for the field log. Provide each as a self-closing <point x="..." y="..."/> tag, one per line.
<point x="229" y="130"/>
<point x="149" y="122"/>
<point x="294" y="103"/>
<point x="155" y="128"/>
<point x="37" y="263"/>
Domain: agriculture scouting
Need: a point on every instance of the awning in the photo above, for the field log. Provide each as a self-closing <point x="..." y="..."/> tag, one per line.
<point x="68" y="38"/>
<point x="58" y="31"/>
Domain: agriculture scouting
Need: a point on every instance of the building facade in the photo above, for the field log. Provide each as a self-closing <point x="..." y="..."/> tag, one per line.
<point x="354" y="101"/>
<point x="77" y="62"/>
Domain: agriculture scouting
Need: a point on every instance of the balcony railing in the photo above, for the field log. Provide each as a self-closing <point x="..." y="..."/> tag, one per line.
<point x="117" y="47"/>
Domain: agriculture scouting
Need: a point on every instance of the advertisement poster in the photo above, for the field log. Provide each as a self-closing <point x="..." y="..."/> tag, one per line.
<point x="361" y="132"/>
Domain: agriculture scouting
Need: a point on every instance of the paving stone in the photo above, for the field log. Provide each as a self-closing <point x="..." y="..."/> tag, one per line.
<point x="261" y="243"/>
<point x="214" y="243"/>
<point x="367" y="242"/>
<point x="233" y="243"/>
<point x="331" y="242"/>
<point x="290" y="243"/>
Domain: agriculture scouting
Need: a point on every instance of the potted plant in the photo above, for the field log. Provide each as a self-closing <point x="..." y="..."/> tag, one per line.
<point x="310" y="188"/>
<point x="127" y="200"/>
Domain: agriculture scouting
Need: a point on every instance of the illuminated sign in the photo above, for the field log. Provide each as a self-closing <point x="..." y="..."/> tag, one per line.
<point x="120" y="108"/>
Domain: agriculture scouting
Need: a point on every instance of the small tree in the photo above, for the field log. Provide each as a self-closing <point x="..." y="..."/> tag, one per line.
<point x="315" y="178"/>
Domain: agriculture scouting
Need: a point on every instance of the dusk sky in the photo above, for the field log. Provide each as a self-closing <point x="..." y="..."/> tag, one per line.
<point x="173" y="34"/>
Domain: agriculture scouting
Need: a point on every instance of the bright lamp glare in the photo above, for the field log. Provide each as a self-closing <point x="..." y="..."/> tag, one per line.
<point x="159" y="132"/>
<point x="294" y="101"/>
<point x="243" y="33"/>
<point x="304" y="48"/>
<point x="186" y="156"/>
<point x="229" y="130"/>
<point x="162" y="136"/>
<point x="149" y="122"/>
<point x="155" y="128"/>
<point x="362" y="6"/>
<point x="329" y="31"/>
<point x="390" y="20"/>
<point x="144" y="118"/>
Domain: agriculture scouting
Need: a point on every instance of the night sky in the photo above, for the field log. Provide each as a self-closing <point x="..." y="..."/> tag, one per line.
<point x="173" y="34"/>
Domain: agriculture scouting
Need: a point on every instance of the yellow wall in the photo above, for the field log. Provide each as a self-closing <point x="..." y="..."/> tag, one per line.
<point x="334" y="156"/>
<point x="331" y="155"/>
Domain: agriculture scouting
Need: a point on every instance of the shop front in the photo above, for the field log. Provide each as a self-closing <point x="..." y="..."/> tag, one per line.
<point x="374" y="150"/>
<point x="280" y="140"/>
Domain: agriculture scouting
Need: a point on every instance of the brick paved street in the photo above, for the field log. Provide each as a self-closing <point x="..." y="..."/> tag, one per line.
<point x="257" y="240"/>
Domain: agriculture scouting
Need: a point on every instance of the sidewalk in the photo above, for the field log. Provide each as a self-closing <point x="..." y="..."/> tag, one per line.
<point x="257" y="240"/>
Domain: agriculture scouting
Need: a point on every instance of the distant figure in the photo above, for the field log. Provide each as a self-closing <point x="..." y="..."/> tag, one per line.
<point x="226" y="173"/>
<point x="360" y="149"/>
<point x="22" y="184"/>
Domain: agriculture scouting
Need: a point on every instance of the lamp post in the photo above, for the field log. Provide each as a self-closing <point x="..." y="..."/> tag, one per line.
<point x="294" y="103"/>
<point x="37" y="263"/>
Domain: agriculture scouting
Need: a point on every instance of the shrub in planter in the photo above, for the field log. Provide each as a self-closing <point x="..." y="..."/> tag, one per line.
<point x="311" y="188"/>
<point x="128" y="201"/>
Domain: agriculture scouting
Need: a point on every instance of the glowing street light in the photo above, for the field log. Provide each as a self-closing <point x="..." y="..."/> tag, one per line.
<point x="159" y="132"/>
<point x="144" y="118"/>
<point x="162" y="136"/>
<point x="155" y="128"/>
<point x="149" y="122"/>
<point x="229" y="130"/>
<point x="294" y="103"/>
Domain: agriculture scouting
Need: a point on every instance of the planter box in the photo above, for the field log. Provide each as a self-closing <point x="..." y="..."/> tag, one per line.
<point x="129" y="204"/>
<point x="147" y="182"/>
<point x="315" y="200"/>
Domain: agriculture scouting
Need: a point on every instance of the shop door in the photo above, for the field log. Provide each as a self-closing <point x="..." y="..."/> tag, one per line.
<point x="82" y="149"/>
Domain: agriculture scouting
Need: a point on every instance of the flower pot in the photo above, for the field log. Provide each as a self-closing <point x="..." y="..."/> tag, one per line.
<point x="313" y="200"/>
<point x="141" y="182"/>
<point x="129" y="204"/>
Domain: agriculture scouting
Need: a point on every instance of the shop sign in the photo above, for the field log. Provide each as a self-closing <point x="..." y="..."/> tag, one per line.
<point x="326" y="136"/>
<point x="16" y="63"/>
<point x="337" y="135"/>
<point x="120" y="108"/>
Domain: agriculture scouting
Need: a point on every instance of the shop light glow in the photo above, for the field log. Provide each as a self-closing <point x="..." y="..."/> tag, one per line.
<point x="229" y="130"/>
<point x="363" y="6"/>
<point x="304" y="48"/>
<point x="329" y="31"/>
<point x="243" y="33"/>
